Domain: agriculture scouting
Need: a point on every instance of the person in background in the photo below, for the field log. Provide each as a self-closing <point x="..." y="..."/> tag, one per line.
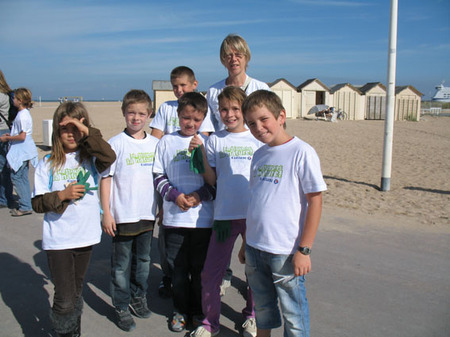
<point x="22" y="151"/>
<point x="6" y="188"/>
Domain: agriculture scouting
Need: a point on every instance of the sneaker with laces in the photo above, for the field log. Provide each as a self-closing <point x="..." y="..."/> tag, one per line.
<point x="178" y="323"/>
<point x="249" y="328"/>
<point x="202" y="332"/>
<point x="124" y="320"/>
<point x="139" y="308"/>
<point x="223" y="287"/>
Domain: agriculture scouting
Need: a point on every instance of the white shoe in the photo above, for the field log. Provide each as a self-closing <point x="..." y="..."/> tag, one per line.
<point x="223" y="287"/>
<point x="249" y="328"/>
<point x="202" y="332"/>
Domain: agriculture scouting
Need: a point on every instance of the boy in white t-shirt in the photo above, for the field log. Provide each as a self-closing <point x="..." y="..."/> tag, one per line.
<point x="283" y="216"/>
<point x="129" y="205"/>
<point x="228" y="154"/>
<point x="188" y="210"/>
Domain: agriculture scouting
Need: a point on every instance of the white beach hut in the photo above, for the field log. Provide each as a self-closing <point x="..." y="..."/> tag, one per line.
<point x="348" y="99"/>
<point x="289" y="96"/>
<point x="162" y="92"/>
<point x="312" y="92"/>
<point x="407" y="103"/>
<point x="375" y="94"/>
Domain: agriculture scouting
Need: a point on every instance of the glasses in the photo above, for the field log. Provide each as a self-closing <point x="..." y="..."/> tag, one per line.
<point x="230" y="56"/>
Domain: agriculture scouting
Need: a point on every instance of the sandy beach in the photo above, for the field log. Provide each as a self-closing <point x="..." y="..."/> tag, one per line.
<point x="351" y="156"/>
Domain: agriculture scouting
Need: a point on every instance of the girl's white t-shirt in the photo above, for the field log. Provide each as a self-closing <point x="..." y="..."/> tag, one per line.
<point x="132" y="196"/>
<point x="79" y="225"/>
<point x="166" y="119"/>
<point x="173" y="160"/>
<point x="231" y="154"/>
<point x="279" y="179"/>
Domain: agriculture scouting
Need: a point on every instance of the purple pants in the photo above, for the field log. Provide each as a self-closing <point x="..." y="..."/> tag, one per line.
<point x="217" y="260"/>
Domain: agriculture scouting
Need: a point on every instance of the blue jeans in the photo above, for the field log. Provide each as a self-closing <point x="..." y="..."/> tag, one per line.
<point x="130" y="267"/>
<point x="22" y="186"/>
<point x="271" y="277"/>
<point x="6" y="197"/>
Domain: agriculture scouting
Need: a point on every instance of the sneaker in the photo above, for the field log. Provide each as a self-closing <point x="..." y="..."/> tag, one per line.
<point x="202" y="332"/>
<point x="165" y="288"/>
<point x="178" y="323"/>
<point x="249" y="328"/>
<point x="139" y="308"/>
<point x="223" y="287"/>
<point x="124" y="320"/>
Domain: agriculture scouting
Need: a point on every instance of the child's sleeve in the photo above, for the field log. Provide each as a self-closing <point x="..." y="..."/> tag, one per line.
<point x="97" y="147"/>
<point x="44" y="199"/>
<point x="160" y="178"/>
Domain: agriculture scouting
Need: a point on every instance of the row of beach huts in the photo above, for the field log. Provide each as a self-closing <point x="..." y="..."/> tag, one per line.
<point x="358" y="102"/>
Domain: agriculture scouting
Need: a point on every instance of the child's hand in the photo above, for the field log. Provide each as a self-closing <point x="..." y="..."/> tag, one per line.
<point x="195" y="142"/>
<point x="73" y="191"/>
<point x="109" y="224"/>
<point x="301" y="263"/>
<point x="194" y="199"/>
<point x="241" y="254"/>
<point x="84" y="131"/>
<point x="3" y="138"/>
<point x="183" y="203"/>
<point x="160" y="217"/>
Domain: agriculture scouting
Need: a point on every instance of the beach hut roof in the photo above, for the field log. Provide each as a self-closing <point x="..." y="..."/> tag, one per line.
<point x="368" y="86"/>
<point x="307" y="82"/>
<point x="281" y="80"/>
<point x="161" y="85"/>
<point x="339" y="86"/>
<point x="400" y="88"/>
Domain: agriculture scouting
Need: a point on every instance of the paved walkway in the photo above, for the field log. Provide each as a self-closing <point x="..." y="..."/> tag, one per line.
<point x="369" y="278"/>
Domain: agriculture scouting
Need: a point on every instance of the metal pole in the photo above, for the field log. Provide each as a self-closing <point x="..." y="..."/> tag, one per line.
<point x="390" y="101"/>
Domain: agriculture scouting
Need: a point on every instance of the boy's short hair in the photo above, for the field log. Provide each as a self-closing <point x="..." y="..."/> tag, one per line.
<point x="263" y="98"/>
<point x="233" y="94"/>
<point x="236" y="42"/>
<point x="182" y="71"/>
<point x="137" y="96"/>
<point x="195" y="100"/>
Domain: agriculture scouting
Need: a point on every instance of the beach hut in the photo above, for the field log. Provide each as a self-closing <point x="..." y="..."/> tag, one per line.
<point x="349" y="99"/>
<point x="312" y="92"/>
<point x="162" y="91"/>
<point x="407" y="103"/>
<point x="288" y="95"/>
<point x="375" y="94"/>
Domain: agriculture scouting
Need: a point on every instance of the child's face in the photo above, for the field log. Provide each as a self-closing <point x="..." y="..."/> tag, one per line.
<point x="231" y="115"/>
<point x="16" y="102"/>
<point x="70" y="136"/>
<point x="235" y="62"/>
<point x="182" y="84"/>
<point x="265" y="127"/>
<point x="190" y="121"/>
<point x="136" y="117"/>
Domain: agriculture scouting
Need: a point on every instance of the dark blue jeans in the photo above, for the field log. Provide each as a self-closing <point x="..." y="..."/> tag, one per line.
<point x="130" y="267"/>
<point x="186" y="250"/>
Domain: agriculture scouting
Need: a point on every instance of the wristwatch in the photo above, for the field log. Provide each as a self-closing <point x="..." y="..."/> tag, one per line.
<point x="304" y="250"/>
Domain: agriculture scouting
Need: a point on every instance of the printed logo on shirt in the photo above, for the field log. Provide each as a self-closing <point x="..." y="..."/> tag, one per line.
<point x="68" y="174"/>
<point x="236" y="152"/>
<point x="270" y="173"/>
<point x="143" y="158"/>
<point x="173" y="121"/>
<point x="182" y="155"/>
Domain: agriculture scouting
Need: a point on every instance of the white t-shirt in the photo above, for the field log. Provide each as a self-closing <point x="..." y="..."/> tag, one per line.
<point x="231" y="154"/>
<point x="280" y="178"/>
<point x="166" y="119"/>
<point x="21" y="151"/>
<point x="132" y="196"/>
<point x="213" y="98"/>
<point x="173" y="160"/>
<point x="79" y="225"/>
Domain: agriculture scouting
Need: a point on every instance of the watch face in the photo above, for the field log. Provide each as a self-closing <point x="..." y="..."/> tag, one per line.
<point x="304" y="250"/>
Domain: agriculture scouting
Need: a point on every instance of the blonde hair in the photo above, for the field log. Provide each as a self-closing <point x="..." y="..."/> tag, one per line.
<point x="74" y="110"/>
<point x="24" y="96"/>
<point x="4" y="87"/>
<point x="233" y="94"/>
<point x="234" y="42"/>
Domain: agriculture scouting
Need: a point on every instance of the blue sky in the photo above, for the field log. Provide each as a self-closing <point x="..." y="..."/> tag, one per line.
<point x="101" y="49"/>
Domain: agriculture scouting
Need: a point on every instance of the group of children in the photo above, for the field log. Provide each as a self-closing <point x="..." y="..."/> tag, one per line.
<point x="209" y="178"/>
